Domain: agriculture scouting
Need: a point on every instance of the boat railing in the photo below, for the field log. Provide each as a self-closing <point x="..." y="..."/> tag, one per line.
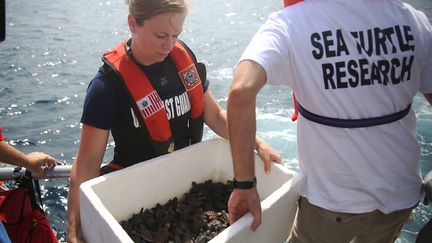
<point x="57" y="172"/>
<point x="63" y="172"/>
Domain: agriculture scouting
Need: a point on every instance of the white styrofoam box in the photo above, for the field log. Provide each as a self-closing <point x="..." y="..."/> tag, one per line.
<point x="108" y="199"/>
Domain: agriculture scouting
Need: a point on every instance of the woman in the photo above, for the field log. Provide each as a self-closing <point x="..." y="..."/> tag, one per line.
<point x="151" y="97"/>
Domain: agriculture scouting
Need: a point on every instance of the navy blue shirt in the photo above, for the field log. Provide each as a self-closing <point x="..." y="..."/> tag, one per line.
<point x="108" y="106"/>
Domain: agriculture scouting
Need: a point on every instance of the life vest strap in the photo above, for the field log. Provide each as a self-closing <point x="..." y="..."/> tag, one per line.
<point x="108" y="168"/>
<point x="353" y="123"/>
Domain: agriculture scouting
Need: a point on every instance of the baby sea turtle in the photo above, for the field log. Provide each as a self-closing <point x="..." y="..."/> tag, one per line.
<point x="199" y="216"/>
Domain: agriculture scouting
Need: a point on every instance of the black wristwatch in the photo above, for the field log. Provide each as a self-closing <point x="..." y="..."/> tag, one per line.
<point x="235" y="184"/>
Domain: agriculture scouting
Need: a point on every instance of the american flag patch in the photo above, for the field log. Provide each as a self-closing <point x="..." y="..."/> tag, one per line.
<point x="150" y="104"/>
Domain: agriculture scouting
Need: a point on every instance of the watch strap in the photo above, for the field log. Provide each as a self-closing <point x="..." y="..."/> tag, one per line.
<point x="235" y="184"/>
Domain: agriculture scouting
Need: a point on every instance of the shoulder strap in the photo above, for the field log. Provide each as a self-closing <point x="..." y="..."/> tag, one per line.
<point x="28" y="183"/>
<point x="188" y="50"/>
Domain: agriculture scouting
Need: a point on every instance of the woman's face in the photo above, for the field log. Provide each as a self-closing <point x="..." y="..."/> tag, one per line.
<point x="155" y="38"/>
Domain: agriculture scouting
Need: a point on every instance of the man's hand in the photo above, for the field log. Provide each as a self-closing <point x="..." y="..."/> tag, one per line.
<point x="244" y="201"/>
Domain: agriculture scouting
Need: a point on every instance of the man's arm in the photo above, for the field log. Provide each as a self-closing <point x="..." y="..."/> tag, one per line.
<point x="249" y="78"/>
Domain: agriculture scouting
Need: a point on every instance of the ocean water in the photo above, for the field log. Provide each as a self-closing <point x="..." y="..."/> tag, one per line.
<point x="53" y="48"/>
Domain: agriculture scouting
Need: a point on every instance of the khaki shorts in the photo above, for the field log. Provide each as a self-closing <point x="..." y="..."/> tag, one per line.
<point x="318" y="225"/>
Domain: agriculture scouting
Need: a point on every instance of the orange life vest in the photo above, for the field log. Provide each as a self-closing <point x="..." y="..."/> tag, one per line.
<point x="148" y="103"/>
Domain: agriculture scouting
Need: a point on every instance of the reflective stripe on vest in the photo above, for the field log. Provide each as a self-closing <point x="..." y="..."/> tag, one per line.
<point x="150" y="105"/>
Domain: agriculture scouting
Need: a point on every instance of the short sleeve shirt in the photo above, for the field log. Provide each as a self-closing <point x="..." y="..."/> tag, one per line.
<point x="352" y="59"/>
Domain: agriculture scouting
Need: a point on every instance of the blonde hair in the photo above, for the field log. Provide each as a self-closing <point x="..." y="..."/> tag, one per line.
<point x="145" y="9"/>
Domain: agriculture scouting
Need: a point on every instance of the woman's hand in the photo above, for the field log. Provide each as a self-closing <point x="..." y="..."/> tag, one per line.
<point x="267" y="154"/>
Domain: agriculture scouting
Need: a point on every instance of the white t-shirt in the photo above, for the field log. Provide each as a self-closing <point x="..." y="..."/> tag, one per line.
<point x="352" y="59"/>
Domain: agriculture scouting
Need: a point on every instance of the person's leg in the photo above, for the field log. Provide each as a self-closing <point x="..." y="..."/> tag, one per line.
<point x="385" y="228"/>
<point x="317" y="225"/>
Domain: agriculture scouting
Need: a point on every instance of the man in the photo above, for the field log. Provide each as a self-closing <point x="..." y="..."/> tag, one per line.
<point x="355" y="67"/>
